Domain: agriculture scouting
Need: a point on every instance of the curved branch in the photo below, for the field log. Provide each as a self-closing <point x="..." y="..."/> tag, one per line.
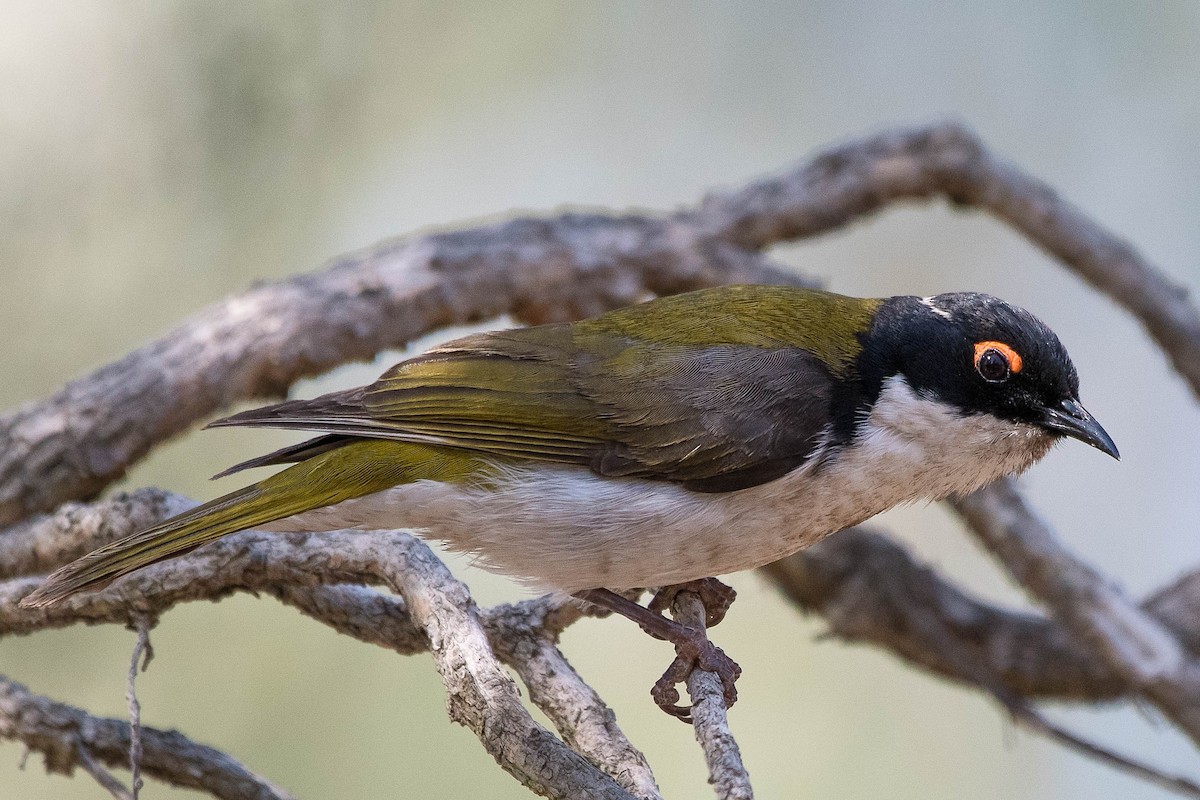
<point x="68" y="737"/>
<point x="1135" y="645"/>
<point x="870" y="589"/>
<point x="861" y="177"/>
<point x="258" y="343"/>
<point x="523" y="636"/>
<point x="435" y="610"/>
<point x="76" y="442"/>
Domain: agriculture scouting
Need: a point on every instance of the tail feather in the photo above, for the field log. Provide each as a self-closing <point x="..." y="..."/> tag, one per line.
<point x="236" y="511"/>
<point x="291" y="454"/>
<point x="332" y="471"/>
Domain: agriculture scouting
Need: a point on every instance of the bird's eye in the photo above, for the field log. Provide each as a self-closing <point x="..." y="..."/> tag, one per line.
<point x="993" y="366"/>
<point x="996" y="361"/>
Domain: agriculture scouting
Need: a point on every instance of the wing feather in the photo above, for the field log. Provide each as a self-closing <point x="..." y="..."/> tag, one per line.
<point x="715" y="417"/>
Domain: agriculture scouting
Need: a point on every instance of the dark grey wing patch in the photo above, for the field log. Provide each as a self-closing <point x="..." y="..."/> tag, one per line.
<point x="720" y="419"/>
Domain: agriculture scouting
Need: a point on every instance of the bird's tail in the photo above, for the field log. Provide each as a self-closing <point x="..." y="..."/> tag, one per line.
<point x="236" y="511"/>
<point x="355" y="470"/>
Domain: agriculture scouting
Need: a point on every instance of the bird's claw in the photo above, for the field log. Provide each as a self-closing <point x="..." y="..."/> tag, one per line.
<point x="695" y="652"/>
<point x="716" y="597"/>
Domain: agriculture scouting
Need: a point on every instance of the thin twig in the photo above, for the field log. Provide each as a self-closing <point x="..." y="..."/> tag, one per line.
<point x="1036" y="722"/>
<point x="142" y="653"/>
<point x="106" y="779"/>
<point x="710" y="720"/>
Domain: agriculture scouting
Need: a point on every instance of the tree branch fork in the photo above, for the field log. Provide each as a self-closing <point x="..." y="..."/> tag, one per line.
<point x="1093" y="644"/>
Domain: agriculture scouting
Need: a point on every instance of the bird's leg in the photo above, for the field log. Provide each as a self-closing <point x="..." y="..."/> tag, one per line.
<point x="692" y="648"/>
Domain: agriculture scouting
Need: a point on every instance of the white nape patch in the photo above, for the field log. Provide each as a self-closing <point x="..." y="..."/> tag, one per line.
<point x="566" y="528"/>
<point x="932" y="306"/>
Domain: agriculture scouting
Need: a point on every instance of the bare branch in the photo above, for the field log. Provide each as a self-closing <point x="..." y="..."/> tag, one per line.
<point x="256" y="344"/>
<point x="917" y="606"/>
<point x="40" y="544"/>
<point x="523" y="636"/>
<point x="863" y="176"/>
<point x="482" y="695"/>
<point x="68" y="737"/>
<point x="76" y="442"/>
<point x="869" y="589"/>
<point x="710" y="721"/>
<point x="1132" y="642"/>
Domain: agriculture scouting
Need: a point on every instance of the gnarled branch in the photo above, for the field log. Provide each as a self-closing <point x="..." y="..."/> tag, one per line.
<point x="68" y="737"/>
<point x="430" y="612"/>
<point x="73" y="444"/>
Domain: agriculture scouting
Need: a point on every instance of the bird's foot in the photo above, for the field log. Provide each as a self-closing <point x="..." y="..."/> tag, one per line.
<point x="717" y="597"/>
<point x="693" y="650"/>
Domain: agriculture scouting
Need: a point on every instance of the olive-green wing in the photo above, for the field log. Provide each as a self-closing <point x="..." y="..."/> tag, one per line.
<point x="507" y="394"/>
<point x="725" y="397"/>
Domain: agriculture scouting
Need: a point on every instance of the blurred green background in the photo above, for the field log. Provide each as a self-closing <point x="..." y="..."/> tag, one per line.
<point x="157" y="156"/>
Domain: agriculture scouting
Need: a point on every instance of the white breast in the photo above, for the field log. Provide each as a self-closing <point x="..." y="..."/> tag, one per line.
<point x="566" y="528"/>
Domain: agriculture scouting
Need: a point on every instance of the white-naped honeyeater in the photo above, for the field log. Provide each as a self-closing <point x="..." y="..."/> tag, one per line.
<point x="656" y="445"/>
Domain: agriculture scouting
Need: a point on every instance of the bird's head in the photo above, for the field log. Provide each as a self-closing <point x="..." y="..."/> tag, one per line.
<point x="981" y="355"/>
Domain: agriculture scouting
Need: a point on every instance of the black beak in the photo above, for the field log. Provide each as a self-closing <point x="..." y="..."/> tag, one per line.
<point x="1072" y="419"/>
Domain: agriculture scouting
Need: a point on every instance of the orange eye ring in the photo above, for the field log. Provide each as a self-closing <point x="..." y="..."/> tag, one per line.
<point x="1012" y="358"/>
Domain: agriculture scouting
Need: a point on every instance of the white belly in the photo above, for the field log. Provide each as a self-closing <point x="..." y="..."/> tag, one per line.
<point x="566" y="528"/>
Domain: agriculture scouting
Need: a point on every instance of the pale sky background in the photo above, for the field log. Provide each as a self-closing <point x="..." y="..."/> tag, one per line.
<point x="159" y="156"/>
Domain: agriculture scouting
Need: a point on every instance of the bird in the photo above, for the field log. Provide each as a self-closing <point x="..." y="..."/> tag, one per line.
<point x="657" y="446"/>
